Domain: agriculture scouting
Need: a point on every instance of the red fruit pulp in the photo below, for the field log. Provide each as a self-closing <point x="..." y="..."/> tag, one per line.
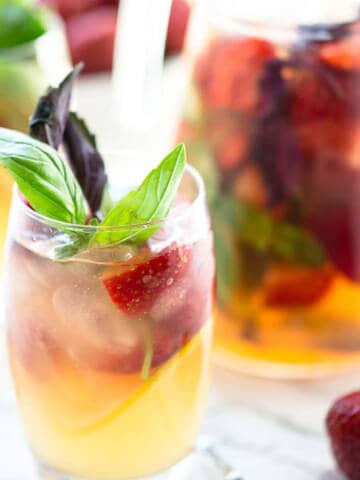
<point x="297" y="286"/>
<point x="135" y="291"/>
<point x="236" y="86"/>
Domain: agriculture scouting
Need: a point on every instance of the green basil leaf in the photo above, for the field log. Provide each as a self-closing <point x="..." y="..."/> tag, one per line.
<point x="20" y="23"/>
<point x="257" y="229"/>
<point x="76" y="242"/>
<point x="252" y="226"/>
<point x="228" y="264"/>
<point x="42" y="176"/>
<point x="106" y="202"/>
<point x="296" y="245"/>
<point x="150" y="202"/>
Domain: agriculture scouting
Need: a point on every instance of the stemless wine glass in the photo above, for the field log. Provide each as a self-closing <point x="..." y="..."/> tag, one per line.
<point x="25" y="71"/>
<point x="271" y="120"/>
<point x="111" y="393"/>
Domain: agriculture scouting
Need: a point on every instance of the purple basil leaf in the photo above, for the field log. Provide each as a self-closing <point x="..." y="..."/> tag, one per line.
<point x="49" y="119"/>
<point x="274" y="149"/>
<point x="85" y="160"/>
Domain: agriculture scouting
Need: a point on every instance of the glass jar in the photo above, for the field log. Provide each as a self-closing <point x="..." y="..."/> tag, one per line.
<point x="271" y="120"/>
<point x="25" y="72"/>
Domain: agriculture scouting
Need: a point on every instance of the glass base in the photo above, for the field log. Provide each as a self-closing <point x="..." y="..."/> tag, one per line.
<point x="201" y="464"/>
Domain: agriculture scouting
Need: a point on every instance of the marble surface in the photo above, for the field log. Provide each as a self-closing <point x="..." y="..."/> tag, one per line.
<point x="262" y="429"/>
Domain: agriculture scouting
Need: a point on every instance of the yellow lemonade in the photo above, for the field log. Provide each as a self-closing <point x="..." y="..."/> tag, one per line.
<point x="325" y="334"/>
<point x="71" y="418"/>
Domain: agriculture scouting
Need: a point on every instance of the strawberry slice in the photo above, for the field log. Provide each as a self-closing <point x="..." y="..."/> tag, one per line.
<point x="290" y="286"/>
<point x="344" y="55"/>
<point x="227" y="75"/>
<point x="136" y="290"/>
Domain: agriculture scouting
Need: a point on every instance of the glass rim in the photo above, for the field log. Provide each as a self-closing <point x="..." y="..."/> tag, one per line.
<point x="61" y="225"/>
<point x="294" y="26"/>
<point x="312" y="30"/>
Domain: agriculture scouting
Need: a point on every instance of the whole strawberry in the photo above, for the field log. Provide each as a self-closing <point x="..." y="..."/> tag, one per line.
<point x="343" y="425"/>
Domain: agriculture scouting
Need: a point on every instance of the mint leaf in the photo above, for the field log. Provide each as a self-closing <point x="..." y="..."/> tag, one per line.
<point x="257" y="229"/>
<point x="20" y="23"/>
<point x="150" y="202"/>
<point x="42" y="177"/>
<point x="48" y="122"/>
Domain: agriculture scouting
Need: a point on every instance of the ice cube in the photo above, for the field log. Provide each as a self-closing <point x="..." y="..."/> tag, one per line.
<point x="95" y="332"/>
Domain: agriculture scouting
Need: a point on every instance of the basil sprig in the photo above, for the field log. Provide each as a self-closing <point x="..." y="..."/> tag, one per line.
<point x="50" y="186"/>
<point x="259" y="230"/>
<point x="148" y="203"/>
<point x="42" y="176"/>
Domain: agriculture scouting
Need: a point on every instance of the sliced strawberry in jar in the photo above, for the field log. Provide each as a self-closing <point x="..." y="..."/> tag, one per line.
<point x="136" y="290"/>
<point x="228" y="73"/>
<point x="293" y="286"/>
<point x="344" y="54"/>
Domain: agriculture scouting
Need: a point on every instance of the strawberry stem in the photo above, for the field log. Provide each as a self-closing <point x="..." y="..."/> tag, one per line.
<point x="149" y="352"/>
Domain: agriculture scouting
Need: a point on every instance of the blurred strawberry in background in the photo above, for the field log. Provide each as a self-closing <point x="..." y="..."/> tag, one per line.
<point x="91" y="27"/>
<point x="179" y="17"/>
<point x="91" y="37"/>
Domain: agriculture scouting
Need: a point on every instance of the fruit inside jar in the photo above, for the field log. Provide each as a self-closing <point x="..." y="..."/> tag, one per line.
<point x="272" y="123"/>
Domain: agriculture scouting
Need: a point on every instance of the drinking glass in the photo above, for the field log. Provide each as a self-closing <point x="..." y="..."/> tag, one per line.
<point x="271" y="121"/>
<point x="111" y="393"/>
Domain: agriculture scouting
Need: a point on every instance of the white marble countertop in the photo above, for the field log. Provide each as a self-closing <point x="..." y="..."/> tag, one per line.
<point x="267" y="430"/>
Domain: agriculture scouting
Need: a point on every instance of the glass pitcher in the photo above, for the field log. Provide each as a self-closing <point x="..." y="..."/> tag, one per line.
<point x="271" y="119"/>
